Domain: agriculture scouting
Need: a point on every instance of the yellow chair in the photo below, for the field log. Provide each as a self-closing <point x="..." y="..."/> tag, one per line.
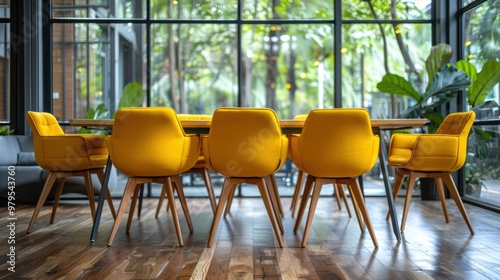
<point x="432" y="156"/>
<point x="337" y="188"/>
<point x="246" y="145"/>
<point x="150" y="146"/>
<point x="200" y="167"/>
<point x="335" y="147"/>
<point x="66" y="155"/>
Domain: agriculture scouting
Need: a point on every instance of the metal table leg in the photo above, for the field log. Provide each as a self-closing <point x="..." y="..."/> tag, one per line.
<point x="388" y="189"/>
<point x="100" y="203"/>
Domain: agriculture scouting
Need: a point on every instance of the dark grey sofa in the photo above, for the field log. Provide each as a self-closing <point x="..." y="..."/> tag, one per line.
<point x="17" y="151"/>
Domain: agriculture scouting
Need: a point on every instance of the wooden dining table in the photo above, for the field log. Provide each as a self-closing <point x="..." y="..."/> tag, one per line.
<point x="201" y="127"/>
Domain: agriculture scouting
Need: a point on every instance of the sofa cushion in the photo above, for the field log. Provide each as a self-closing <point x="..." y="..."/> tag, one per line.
<point x="26" y="158"/>
<point x="25" y="143"/>
<point x="10" y="148"/>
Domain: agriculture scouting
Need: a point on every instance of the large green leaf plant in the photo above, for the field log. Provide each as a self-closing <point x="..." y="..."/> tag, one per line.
<point x="445" y="81"/>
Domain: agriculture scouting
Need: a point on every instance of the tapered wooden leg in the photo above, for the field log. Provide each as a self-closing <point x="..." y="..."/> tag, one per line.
<point x="160" y="202"/>
<point x="266" y="197"/>
<point x="210" y="188"/>
<point x="448" y="181"/>
<point x="49" y="182"/>
<point x="296" y="193"/>
<point x="358" y="195"/>
<point x="340" y="188"/>
<point x="398" y="182"/>
<point x="303" y="203"/>
<point x="440" y="189"/>
<point x="225" y="192"/>
<point x="337" y="195"/>
<point x="90" y="192"/>
<point x="131" y="211"/>
<point x="229" y="202"/>
<point x="277" y="194"/>
<point x="409" y="192"/>
<point x="318" y="184"/>
<point x="274" y="201"/>
<point x="361" y="222"/>
<point x="57" y="198"/>
<point x="173" y="210"/>
<point x="127" y="193"/>
<point x="109" y="199"/>
<point x="182" y="198"/>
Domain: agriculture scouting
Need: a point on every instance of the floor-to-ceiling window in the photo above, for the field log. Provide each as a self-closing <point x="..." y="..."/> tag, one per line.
<point x="196" y="56"/>
<point x="481" y="45"/>
<point x="4" y="66"/>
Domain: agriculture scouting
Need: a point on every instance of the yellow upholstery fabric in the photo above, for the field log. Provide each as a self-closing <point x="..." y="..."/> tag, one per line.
<point x="56" y="151"/>
<point x="445" y="150"/>
<point x="245" y="143"/>
<point x="335" y="147"/>
<point x="432" y="156"/>
<point x="65" y="155"/>
<point x="246" y="146"/>
<point x="150" y="142"/>
<point x="149" y="145"/>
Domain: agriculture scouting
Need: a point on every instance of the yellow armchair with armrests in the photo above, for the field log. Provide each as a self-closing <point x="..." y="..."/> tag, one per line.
<point x="150" y="146"/>
<point x="246" y="145"/>
<point x="336" y="146"/>
<point x="66" y="155"/>
<point x="432" y="156"/>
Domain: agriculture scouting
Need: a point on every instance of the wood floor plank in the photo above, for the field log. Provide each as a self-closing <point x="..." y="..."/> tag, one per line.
<point x="245" y="246"/>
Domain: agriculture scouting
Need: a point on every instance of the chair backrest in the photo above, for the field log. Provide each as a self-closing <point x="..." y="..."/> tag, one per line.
<point x="44" y="124"/>
<point x="245" y="142"/>
<point x="337" y="143"/>
<point x="149" y="142"/>
<point x="459" y="123"/>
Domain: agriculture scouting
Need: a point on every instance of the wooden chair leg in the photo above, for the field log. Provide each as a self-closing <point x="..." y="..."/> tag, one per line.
<point x="229" y="202"/>
<point x="318" y="184"/>
<point x="173" y="210"/>
<point x="90" y="192"/>
<point x="134" y="198"/>
<point x="225" y="192"/>
<point x="182" y="198"/>
<point x="210" y="188"/>
<point x="448" y="181"/>
<point x="361" y="222"/>
<point x="358" y="195"/>
<point x="266" y="197"/>
<point x="340" y="188"/>
<point x="274" y="202"/>
<point x="337" y="195"/>
<point x="409" y="192"/>
<point x="57" y="198"/>
<point x="49" y="182"/>
<point x="277" y="194"/>
<point x="100" y="175"/>
<point x="127" y="193"/>
<point x="303" y="202"/>
<point x="296" y="193"/>
<point x="442" y="197"/>
<point x="160" y="202"/>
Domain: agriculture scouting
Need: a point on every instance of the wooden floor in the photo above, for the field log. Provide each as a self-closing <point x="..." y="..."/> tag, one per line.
<point x="245" y="246"/>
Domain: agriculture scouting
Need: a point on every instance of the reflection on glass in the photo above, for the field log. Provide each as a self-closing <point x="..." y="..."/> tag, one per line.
<point x="364" y="63"/>
<point x="482" y="168"/>
<point x="199" y="60"/>
<point x="90" y="68"/>
<point x="481" y="44"/>
<point x="409" y="9"/>
<point x="194" y="9"/>
<point x="317" y="9"/>
<point x="98" y="9"/>
<point x="4" y="71"/>
<point x="287" y="67"/>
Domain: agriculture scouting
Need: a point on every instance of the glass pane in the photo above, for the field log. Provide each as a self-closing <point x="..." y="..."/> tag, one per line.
<point x="200" y="61"/>
<point x="287" y="67"/>
<point x="4" y="9"/>
<point x="410" y="9"/>
<point x="317" y="9"/>
<point x="4" y="72"/>
<point x="482" y="169"/>
<point x="194" y="9"/>
<point x="364" y="64"/>
<point x="91" y="65"/>
<point x="99" y="9"/>
<point x="482" y="43"/>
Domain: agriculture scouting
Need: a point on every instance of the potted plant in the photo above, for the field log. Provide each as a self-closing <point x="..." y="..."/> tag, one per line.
<point x="5" y="130"/>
